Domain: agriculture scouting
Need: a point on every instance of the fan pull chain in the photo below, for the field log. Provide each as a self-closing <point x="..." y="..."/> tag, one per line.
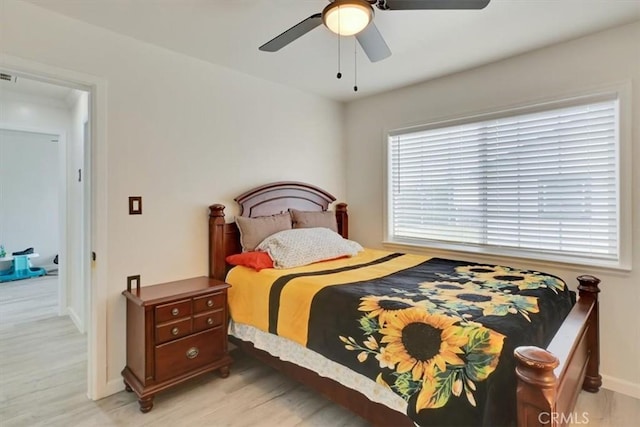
<point x="355" y="65"/>
<point x="339" y="75"/>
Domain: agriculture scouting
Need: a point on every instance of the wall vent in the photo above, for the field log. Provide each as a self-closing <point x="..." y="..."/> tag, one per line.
<point x="7" y="77"/>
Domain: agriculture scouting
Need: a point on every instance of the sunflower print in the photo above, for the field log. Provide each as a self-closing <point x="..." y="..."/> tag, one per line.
<point x="424" y="340"/>
<point x="385" y="307"/>
<point x="428" y="288"/>
<point x="499" y="277"/>
<point x="462" y="299"/>
<point x="433" y="354"/>
<point x="481" y="354"/>
<point x="418" y="342"/>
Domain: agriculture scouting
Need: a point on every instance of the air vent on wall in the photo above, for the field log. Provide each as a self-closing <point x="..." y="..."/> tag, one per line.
<point x="7" y="77"/>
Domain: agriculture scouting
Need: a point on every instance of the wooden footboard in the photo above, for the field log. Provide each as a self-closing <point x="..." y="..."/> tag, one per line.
<point x="549" y="380"/>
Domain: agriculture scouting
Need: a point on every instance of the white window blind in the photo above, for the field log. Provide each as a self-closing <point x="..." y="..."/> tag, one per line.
<point x="542" y="181"/>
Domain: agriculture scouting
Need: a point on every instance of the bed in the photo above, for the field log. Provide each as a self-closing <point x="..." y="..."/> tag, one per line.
<point x="498" y="360"/>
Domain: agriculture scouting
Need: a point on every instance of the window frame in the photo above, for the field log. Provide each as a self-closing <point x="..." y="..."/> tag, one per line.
<point x="621" y="92"/>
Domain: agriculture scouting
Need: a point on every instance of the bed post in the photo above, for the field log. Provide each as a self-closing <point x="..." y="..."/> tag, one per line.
<point x="216" y="241"/>
<point x="588" y="290"/>
<point x="545" y="397"/>
<point x="343" y="219"/>
<point x="537" y="386"/>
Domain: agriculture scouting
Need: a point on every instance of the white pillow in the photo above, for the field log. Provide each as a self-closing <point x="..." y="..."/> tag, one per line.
<point x="302" y="246"/>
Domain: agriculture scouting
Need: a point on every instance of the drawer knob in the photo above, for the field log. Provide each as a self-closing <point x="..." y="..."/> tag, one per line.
<point x="175" y="331"/>
<point x="209" y="321"/>
<point x="192" y="353"/>
<point x="175" y="311"/>
<point x="210" y="303"/>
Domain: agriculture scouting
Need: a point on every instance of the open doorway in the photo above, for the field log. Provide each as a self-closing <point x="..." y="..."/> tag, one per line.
<point x="44" y="192"/>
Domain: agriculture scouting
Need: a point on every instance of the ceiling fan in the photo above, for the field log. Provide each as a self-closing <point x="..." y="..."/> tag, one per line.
<point x="355" y="17"/>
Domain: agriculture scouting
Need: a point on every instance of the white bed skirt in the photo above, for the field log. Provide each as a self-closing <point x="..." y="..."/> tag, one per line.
<point x="290" y="351"/>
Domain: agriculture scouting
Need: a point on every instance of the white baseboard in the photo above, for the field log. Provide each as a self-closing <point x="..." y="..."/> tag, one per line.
<point x="76" y="319"/>
<point x="621" y="386"/>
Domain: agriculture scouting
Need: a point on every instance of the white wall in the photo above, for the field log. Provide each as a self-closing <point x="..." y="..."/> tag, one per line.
<point x="29" y="174"/>
<point x="183" y="134"/>
<point x="28" y="195"/>
<point x="579" y="66"/>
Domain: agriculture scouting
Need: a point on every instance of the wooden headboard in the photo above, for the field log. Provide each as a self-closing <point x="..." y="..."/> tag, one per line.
<point x="270" y="199"/>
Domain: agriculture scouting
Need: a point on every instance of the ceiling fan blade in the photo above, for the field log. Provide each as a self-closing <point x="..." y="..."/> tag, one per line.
<point x="373" y="44"/>
<point x="431" y="4"/>
<point x="298" y="30"/>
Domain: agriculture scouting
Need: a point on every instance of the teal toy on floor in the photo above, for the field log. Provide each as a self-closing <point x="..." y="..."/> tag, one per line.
<point x="20" y="268"/>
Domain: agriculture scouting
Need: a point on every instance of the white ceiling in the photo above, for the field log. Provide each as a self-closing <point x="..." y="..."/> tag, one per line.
<point x="425" y="44"/>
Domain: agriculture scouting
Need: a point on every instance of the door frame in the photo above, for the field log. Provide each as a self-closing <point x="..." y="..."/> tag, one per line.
<point x="95" y="218"/>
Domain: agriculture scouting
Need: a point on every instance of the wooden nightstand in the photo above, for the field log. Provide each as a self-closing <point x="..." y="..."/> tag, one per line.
<point x="175" y="332"/>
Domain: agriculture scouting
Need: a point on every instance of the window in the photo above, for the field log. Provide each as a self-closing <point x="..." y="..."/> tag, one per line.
<point x="536" y="181"/>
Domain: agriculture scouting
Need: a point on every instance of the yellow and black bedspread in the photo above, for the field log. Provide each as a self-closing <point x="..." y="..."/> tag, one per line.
<point x="439" y="333"/>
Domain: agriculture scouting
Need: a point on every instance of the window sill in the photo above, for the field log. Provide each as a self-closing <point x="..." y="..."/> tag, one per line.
<point x="497" y="256"/>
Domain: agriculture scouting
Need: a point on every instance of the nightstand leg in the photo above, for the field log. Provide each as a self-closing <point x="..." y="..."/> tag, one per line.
<point x="224" y="372"/>
<point x="146" y="403"/>
<point x="127" y="387"/>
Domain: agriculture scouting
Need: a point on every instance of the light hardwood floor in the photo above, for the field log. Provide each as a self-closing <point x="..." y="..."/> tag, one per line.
<point x="43" y="383"/>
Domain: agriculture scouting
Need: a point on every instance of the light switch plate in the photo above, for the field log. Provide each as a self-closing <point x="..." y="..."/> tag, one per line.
<point x="135" y="205"/>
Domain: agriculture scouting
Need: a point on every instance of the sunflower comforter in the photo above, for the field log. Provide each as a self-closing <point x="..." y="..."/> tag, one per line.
<point x="439" y="333"/>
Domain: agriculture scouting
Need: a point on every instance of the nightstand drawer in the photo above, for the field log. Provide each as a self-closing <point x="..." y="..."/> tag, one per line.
<point x="208" y="320"/>
<point x="174" y="310"/>
<point x="210" y="302"/>
<point x="173" y="330"/>
<point x="189" y="353"/>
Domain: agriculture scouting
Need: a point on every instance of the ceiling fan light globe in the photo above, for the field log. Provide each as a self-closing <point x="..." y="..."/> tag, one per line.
<point x="347" y="17"/>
